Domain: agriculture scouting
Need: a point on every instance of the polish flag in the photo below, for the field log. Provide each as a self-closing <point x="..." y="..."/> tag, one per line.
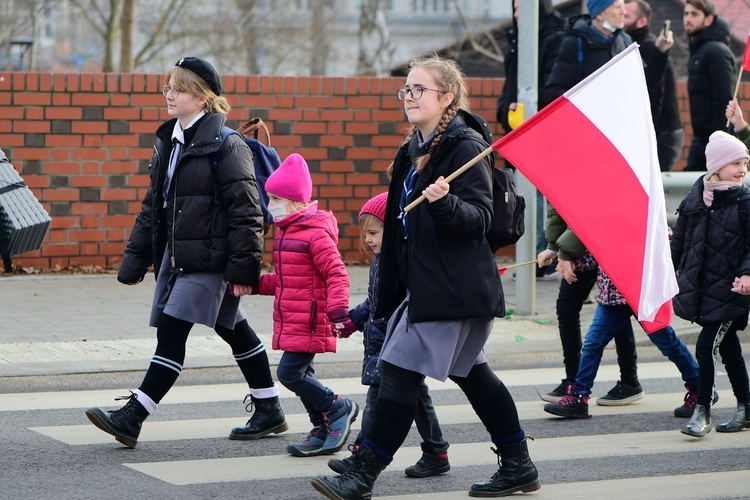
<point x="592" y="153"/>
<point x="746" y="57"/>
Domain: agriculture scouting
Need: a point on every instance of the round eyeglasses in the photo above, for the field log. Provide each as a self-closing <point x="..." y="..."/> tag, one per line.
<point x="165" y="90"/>
<point x="414" y="92"/>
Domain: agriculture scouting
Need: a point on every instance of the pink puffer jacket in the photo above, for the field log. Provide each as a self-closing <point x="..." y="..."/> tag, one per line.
<point x="310" y="281"/>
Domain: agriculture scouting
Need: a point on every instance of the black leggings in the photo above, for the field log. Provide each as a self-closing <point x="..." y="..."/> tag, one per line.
<point x="171" y="337"/>
<point x="714" y="339"/>
<point x="397" y="402"/>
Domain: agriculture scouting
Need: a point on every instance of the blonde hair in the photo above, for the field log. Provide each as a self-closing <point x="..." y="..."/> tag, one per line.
<point x="450" y="79"/>
<point x="187" y="81"/>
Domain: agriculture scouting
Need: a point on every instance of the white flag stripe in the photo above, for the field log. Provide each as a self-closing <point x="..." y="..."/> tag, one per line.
<point x="616" y="101"/>
<point x="183" y="472"/>
<point x="732" y="484"/>
<point x="179" y="394"/>
<point x="218" y="428"/>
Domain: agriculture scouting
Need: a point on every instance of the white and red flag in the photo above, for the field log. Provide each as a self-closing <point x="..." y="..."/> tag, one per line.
<point x="746" y="57"/>
<point x="592" y="153"/>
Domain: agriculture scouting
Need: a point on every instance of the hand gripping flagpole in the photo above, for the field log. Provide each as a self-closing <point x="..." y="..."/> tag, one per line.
<point x="455" y="174"/>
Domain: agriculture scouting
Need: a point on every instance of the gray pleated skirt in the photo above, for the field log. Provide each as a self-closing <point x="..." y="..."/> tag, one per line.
<point x="435" y="349"/>
<point x="199" y="298"/>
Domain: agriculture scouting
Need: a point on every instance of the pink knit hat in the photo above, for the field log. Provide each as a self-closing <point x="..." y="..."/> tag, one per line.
<point x="723" y="149"/>
<point x="375" y="206"/>
<point x="291" y="180"/>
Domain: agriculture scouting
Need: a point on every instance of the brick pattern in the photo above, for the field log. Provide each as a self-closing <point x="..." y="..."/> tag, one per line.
<point x="82" y="143"/>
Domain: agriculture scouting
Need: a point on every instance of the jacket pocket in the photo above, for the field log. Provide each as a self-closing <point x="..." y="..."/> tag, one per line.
<point x="313" y="316"/>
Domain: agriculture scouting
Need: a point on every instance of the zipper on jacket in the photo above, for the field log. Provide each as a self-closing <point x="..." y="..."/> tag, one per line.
<point x="281" y="285"/>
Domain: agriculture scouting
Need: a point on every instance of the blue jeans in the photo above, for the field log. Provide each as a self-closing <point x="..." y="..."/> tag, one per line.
<point x="426" y="420"/>
<point x="606" y="323"/>
<point x="296" y="372"/>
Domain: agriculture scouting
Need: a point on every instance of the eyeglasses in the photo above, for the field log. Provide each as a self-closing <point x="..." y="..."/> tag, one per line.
<point x="165" y="90"/>
<point x="414" y="92"/>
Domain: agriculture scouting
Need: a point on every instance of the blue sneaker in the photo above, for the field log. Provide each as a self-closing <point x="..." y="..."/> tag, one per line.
<point x="311" y="446"/>
<point x="339" y="419"/>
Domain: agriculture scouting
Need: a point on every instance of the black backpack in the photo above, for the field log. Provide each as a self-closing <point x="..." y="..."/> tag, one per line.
<point x="508" y="206"/>
<point x="265" y="160"/>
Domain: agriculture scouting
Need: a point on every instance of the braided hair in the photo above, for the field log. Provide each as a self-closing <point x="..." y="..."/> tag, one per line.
<point x="450" y="79"/>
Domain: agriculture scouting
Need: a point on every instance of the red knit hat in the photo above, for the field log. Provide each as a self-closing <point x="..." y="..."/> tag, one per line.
<point x="375" y="206"/>
<point x="291" y="180"/>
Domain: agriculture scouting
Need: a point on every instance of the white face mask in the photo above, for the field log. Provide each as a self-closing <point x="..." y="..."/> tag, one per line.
<point x="279" y="211"/>
<point x="608" y="26"/>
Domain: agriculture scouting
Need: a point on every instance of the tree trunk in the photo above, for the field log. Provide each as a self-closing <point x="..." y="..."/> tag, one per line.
<point x="111" y="35"/>
<point x="374" y="39"/>
<point x="126" y="35"/>
<point x="319" y="39"/>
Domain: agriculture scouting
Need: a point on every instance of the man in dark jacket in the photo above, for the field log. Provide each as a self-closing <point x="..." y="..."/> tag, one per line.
<point x="711" y="70"/>
<point x="551" y="27"/>
<point x="660" y="79"/>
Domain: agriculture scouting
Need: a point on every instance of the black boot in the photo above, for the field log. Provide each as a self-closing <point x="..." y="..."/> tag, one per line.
<point x="342" y="465"/>
<point x="124" y="424"/>
<point x="357" y="482"/>
<point x="516" y="473"/>
<point x="268" y="418"/>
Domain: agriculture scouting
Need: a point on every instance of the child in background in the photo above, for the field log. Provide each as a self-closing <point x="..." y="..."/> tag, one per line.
<point x="434" y="458"/>
<point x="710" y="251"/>
<point x="311" y="289"/>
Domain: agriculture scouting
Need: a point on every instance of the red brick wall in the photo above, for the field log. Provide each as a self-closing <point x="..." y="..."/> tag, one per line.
<point x="82" y="143"/>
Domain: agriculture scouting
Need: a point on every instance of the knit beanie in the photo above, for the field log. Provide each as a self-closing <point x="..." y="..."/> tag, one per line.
<point x="203" y="69"/>
<point x="723" y="149"/>
<point x="596" y="7"/>
<point x="375" y="206"/>
<point x="291" y="180"/>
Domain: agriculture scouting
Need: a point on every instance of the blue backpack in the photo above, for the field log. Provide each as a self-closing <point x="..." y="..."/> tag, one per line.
<point x="265" y="159"/>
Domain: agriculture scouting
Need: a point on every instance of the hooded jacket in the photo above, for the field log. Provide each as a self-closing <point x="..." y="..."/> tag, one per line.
<point x="583" y="50"/>
<point x="310" y="281"/>
<point x="710" y="247"/>
<point x="373" y="328"/>
<point x="199" y="234"/>
<point x="711" y="71"/>
<point x="446" y="262"/>
<point x="551" y="27"/>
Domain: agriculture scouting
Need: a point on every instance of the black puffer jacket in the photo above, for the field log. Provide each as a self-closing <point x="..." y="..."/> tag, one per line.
<point x="711" y="247"/>
<point x="200" y="235"/>
<point x="711" y="71"/>
<point x="551" y="27"/>
<point x="583" y="50"/>
<point x="446" y="262"/>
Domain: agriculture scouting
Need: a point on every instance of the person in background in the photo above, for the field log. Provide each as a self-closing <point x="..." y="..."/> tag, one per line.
<point x="711" y="253"/>
<point x="434" y="458"/>
<point x="660" y="80"/>
<point x="551" y="27"/>
<point x="439" y="285"/>
<point x="206" y="249"/>
<point x="311" y="305"/>
<point x="711" y="71"/>
<point x="735" y="116"/>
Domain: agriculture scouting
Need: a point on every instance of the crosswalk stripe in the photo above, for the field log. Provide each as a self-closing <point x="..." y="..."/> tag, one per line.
<point x="540" y="377"/>
<point x="734" y="484"/>
<point x="184" y="472"/>
<point x="211" y="428"/>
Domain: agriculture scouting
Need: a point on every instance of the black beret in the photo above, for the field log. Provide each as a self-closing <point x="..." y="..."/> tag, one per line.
<point x="203" y="69"/>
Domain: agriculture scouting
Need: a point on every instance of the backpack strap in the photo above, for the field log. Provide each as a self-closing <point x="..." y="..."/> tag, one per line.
<point x="253" y="127"/>
<point x="215" y="157"/>
<point x="579" y="57"/>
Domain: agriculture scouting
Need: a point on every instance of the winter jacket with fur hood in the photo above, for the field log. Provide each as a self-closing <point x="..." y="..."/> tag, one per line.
<point x="309" y="282"/>
<point x="710" y="248"/>
<point x="200" y="234"/>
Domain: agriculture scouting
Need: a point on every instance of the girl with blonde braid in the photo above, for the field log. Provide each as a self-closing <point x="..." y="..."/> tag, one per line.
<point x="438" y="284"/>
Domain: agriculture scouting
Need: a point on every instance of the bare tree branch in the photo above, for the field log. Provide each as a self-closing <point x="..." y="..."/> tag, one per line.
<point x="470" y="37"/>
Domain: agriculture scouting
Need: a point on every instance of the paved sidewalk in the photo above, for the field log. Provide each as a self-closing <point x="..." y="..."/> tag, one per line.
<point x="56" y="324"/>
